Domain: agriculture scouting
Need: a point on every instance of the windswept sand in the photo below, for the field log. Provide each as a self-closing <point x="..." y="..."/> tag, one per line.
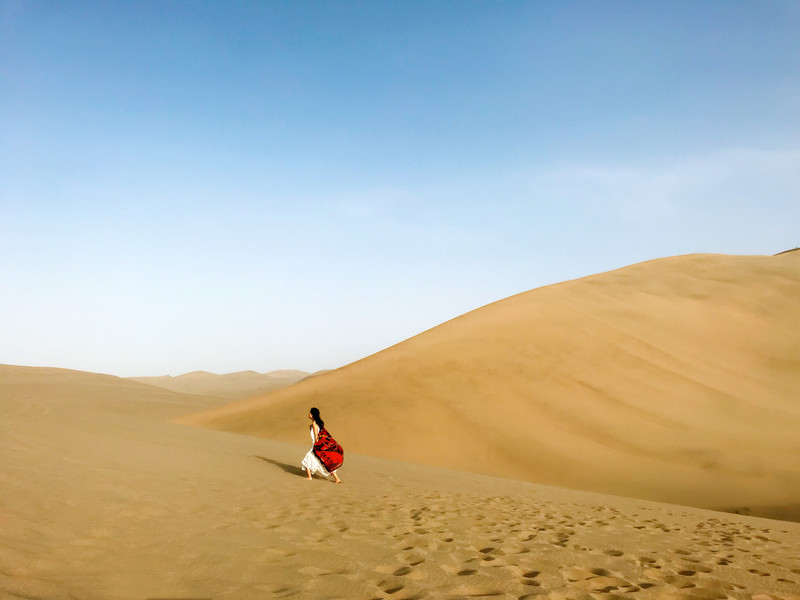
<point x="231" y="386"/>
<point x="675" y="380"/>
<point x="102" y="499"/>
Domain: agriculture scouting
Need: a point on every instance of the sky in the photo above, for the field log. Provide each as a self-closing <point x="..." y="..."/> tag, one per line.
<point x="271" y="185"/>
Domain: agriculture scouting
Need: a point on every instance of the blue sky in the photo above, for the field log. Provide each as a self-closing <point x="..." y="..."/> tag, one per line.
<point x="267" y="185"/>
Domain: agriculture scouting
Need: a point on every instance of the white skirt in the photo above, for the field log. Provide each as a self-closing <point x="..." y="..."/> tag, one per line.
<point x="312" y="463"/>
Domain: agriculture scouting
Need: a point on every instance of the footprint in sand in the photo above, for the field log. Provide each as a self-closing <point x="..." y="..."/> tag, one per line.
<point x="393" y="590"/>
<point x="700" y="568"/>
<point x="531" y="574"/>
<point x="529" y="579"/>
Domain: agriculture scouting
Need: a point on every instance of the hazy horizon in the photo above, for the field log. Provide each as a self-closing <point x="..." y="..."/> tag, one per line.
<point x="297" y="186"/>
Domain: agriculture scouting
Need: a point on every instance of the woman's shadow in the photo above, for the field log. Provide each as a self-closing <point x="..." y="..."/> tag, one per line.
<point x="288" y="468"/>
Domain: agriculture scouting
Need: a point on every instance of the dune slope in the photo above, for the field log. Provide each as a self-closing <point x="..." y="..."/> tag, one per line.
<point x="675" y="380"/>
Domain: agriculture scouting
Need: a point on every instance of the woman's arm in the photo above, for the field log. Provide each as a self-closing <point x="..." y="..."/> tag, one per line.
<point x="315" y="429"/>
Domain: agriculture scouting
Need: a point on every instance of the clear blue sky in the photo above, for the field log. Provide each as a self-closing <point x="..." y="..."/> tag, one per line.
<point x="265" y="185"/>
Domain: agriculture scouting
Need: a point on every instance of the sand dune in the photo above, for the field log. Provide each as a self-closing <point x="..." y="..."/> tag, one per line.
<point x="41" y="390"/>
<point x="233" y="386"/>
<point x="675" y="380"/>
<point x="103" y="500"/>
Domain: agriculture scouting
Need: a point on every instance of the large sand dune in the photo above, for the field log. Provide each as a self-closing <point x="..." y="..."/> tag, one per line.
<point x="675" y="380"/>
<point x="101" y="499"/>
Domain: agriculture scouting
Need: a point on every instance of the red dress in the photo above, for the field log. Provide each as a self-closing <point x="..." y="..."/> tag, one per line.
<point x="329" y="453"/>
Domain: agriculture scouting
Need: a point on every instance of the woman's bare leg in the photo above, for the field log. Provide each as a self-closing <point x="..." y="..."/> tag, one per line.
<point x="308" y="472"/>
<point x="336" y="477"/>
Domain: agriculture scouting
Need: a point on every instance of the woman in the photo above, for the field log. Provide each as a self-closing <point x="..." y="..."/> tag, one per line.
<point x="325" y="456"/>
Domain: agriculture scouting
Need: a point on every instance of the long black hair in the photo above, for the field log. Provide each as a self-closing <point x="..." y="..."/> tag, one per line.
<point x="317" y="419"/>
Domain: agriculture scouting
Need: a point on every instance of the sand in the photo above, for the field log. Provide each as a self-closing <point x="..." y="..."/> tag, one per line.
<point x="30" y="390"/>
<point x="102" y="498"/>
<point x="674" y="380"/>
<point x="231" y="386"/>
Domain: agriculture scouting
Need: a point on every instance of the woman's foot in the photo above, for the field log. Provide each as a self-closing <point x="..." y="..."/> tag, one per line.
<point x="336" y="477"/>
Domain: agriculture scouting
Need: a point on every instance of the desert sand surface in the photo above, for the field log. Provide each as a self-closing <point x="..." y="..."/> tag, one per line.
<point x="675" y="380"/>
<point x="231" y="386"/>
<point x="104" y="499"/>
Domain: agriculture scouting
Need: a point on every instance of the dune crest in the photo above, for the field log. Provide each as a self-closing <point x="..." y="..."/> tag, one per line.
<point x="43" y="389"/>
<point x="233" y="386"/>
<point x="675" y="380"/>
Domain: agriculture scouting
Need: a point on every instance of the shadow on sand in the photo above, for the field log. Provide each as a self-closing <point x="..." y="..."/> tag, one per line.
<point x="288" y="468"/>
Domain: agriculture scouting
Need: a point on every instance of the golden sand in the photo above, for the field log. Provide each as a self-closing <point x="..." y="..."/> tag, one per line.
<point x="103" y="499"/>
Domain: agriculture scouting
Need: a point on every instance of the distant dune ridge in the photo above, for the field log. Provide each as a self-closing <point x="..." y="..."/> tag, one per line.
<point x="242" y="384"/>
<point x="37" y="389"/>
<point x="675" y="380"/>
